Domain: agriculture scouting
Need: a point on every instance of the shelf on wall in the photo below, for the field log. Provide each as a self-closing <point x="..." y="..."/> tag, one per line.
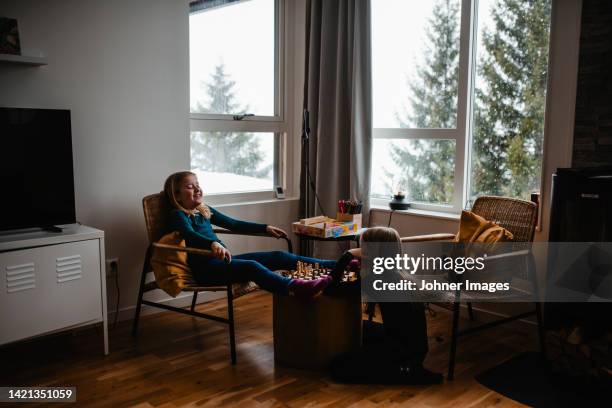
<point x="22" y="59"/>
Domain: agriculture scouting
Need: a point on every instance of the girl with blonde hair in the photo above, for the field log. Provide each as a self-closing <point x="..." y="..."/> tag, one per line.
<point x="194" y="220"/>
<point x="396" y="356"/>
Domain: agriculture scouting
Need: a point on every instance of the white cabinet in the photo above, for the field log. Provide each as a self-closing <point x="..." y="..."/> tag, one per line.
<point x="51" y="282"/>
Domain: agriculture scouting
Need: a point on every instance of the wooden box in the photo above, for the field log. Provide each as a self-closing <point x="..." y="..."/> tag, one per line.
<point x="309" y="335"/>
<point x="324" y="227"/>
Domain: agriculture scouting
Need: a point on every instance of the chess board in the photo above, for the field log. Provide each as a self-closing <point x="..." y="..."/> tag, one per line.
<point x="308" y="271"/>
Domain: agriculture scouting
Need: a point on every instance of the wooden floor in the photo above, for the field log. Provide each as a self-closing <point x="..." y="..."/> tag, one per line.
<point x="180" y="361"/>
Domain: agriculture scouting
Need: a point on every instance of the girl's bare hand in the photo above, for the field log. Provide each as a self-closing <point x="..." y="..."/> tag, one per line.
<point x="276" y="232"/>
<point x="221" y="252"/>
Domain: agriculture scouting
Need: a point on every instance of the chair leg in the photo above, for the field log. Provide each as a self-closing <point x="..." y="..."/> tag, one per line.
<point x="193" y="301"/>
<point x="230" y="317"/>
<point x="145" y="269"/>
<point x="531" y="268"/>
<point x="471" y="311"/>
<point x="371" y="310"/>
<point x="137" y="314"/>
<point x="538" y="307"/>
<point x="454" y="338"/>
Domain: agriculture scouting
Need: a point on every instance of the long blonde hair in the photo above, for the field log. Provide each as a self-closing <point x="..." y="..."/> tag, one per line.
<point x="171" y="187"/>
<point x="379" y="242"/>
<point x="380" y="234"/>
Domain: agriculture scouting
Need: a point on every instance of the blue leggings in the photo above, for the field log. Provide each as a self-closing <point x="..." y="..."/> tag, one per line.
<point x="255" y="267"/>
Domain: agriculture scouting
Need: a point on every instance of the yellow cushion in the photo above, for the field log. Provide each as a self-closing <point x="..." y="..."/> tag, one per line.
<point x="474" y="228"/>
<point x="170" y="267"/>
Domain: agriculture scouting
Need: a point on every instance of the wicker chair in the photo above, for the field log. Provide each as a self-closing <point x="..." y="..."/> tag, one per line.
<point x="156" y="213"/>
<point x="518" y="217"/>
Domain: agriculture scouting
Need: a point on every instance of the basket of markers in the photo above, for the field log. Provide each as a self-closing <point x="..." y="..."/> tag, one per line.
<point x="349" y="211"/>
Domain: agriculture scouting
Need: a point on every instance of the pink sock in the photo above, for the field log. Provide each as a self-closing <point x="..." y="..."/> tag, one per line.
<point x="354" y="265"/>
<point x="308" y="289"/>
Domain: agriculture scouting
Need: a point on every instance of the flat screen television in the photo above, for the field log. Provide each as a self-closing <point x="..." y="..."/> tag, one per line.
<point x="36" y="173"/>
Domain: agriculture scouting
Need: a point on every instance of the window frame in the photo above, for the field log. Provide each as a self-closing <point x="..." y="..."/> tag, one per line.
<point x="276" y="124"/>
<point x="463" y="133"/>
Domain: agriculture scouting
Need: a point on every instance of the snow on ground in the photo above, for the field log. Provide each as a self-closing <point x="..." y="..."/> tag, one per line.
<point x="215" y="183"/>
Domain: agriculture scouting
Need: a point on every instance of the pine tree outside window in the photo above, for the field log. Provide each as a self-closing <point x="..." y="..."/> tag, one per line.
<point x="459" y="99"/>
<point x="236" y="97"/>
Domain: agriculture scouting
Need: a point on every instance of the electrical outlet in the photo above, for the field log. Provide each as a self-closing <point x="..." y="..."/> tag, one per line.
<point x="112" y="266"/>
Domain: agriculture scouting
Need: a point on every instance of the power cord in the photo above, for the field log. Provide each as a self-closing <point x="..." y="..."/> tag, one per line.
<point x="115" y="272"/>
<point x="390" y="216"/>
<point x="310" y="184"/>
<point x="306" y="149"/>
<point x="314" y="189"/>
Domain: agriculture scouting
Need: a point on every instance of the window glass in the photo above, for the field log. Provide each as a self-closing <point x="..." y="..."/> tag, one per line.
<point x="415" y="58"/>
<point x="415" y="63"/>
<point x="232" y="57"/>
<point x="510" y="94"/>
<point x="231" y="162"/>
<point x="423" y="168"/>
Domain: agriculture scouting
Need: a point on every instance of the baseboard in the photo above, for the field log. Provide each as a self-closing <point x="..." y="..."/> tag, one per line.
<point x="497" y="314"/>
<point x="183" y="300"/>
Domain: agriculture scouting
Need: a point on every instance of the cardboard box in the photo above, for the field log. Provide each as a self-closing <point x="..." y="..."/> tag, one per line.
<point x="329" y="228"/>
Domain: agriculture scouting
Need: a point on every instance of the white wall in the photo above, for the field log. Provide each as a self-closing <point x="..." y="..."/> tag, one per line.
<point x="561" y="98"/>
<point x="122" y="68"/>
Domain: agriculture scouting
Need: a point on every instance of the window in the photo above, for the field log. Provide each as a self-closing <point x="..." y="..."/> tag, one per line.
<point x="415" y="166"/>
<point x="236" y="94"/>
<point x="509" y="98"/>
<point x="233" y="161"/>
<point x="459" y="99"/>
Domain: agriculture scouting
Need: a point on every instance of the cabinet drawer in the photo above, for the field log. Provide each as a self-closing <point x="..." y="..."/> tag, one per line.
<point x="49" y="288"/>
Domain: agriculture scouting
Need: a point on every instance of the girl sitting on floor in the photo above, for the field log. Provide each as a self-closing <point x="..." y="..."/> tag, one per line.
<point x="194" y="220"/>
<point x="395" y="352"/>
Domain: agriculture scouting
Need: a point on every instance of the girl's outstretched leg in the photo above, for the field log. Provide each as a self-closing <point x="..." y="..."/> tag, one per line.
<point x="216" y="272"/>
<point x="276" y="260"/>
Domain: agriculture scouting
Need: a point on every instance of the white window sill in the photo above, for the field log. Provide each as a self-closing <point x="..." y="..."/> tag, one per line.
<point x="380" y="208"/>
<point x="256" y="202"/>
<point x="419" y="213"/>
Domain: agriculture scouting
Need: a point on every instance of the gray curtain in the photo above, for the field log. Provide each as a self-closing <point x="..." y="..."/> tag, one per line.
<point x="338" y="95"/>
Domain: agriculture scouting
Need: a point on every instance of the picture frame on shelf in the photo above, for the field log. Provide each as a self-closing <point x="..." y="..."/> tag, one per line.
<point x="9" y="36"/>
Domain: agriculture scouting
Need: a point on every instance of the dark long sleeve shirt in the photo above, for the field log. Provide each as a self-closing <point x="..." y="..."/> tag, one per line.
<point x="198" y="232"/>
